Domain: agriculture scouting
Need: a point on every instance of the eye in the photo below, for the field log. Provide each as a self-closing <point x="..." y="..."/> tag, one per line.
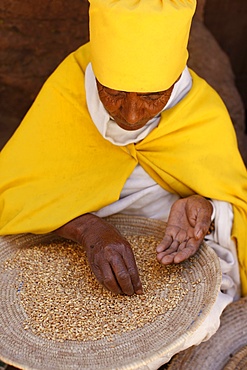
<point x="115" y="93"/>
<point x="152" y="96"/>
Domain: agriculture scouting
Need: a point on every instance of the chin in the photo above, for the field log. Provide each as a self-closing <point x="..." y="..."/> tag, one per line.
<point x="130" y="127"/>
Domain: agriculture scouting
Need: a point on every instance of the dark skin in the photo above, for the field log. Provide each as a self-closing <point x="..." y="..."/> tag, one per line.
<point x="109" y="254"/>
<point x="132" y="110"/>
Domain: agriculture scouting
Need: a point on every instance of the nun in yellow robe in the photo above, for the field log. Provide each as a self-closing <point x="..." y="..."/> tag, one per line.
<point x="61" y="164"/>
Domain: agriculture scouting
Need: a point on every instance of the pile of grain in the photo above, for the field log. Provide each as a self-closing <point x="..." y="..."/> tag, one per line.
<point x="63" y="300"/>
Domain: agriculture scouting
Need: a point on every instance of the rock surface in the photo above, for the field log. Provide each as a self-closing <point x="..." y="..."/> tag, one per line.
<point x="35" y="38"/>
<point x="209" y="61"/>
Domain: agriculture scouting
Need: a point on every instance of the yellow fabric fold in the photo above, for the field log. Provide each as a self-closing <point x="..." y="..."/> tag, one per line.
<point x="57" y="166"/>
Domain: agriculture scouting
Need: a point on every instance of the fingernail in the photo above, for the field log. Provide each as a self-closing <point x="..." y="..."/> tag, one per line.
<point x="198" y="234"/>
<point x="139" y="291"/>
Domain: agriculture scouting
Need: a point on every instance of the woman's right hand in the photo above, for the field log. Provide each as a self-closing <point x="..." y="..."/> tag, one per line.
<point x="109" y="254"/>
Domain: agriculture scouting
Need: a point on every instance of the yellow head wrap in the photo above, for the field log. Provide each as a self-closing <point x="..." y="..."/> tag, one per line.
<point x="140" y="45"/>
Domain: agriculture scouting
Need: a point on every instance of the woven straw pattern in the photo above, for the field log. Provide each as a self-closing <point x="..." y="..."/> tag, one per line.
<point x="128" y="351"/>
<point x="227" y="349"/>
<point x="238" y="361"/>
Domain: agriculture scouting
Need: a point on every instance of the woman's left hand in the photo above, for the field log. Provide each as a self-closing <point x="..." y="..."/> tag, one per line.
<point x="187" y="225"/>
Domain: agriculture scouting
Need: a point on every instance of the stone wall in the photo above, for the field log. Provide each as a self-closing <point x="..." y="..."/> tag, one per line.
<point x="227" y="20"/>
<point x="212" y="63"/>
<point x="223" y="59"/>
<point x="35" y="37"/>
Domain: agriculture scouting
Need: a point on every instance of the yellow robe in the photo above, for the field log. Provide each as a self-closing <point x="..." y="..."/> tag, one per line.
<point x="57" y="166"/>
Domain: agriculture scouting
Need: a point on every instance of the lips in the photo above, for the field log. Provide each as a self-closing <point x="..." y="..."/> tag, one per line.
<point x="130" y="126"/>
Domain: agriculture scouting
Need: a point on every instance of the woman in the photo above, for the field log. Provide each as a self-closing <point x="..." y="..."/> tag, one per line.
<point x="124" y="126"/>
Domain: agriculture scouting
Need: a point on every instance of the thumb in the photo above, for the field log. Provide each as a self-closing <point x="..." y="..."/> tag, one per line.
<point x="199" y="212"/>
<point x="202" y="224"/>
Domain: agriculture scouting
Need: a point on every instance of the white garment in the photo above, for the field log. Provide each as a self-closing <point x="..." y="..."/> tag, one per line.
<point x="142" y="196"/>
<point x="225" y="248"/>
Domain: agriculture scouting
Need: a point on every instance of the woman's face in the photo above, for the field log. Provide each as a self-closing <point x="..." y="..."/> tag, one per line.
<point x="132" y="110"/>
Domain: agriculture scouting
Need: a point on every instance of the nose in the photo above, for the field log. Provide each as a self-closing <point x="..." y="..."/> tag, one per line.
<point x="132" y="110"/>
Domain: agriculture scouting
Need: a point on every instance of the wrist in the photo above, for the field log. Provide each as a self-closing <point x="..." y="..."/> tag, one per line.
<point x="76" y="228"/>
<point x="212" y="225"/>
<point x="213" y="209"/>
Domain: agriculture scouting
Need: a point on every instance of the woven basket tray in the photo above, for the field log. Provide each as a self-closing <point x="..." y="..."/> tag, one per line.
<point x="131" y="350"/>
<point x="227" y="349"/>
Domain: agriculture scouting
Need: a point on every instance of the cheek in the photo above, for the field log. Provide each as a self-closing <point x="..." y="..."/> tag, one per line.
<point x="154" y="107"/>
<point x="111" y="104"/>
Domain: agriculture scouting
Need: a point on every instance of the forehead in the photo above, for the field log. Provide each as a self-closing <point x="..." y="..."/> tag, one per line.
<point x="110" y="90"/>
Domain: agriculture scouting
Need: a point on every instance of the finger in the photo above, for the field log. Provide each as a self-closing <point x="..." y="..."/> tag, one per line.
<point x="174" y="234"/>
<point x="173" y="248"/>
<point x="122" y="275"/>
<point x="182" y="236"/>
<point x="170" y="251"/>
<point x="202" y="225"/>
<point x="164" y="244"/>
<point x="186" y="252"/>
<point x="132" y="269"/>
<point x="182" y="245"/>
<point x="135" y="279"/>
<point x="201" y="229"/>
<point x="105" y="277"/>
<point x="200" y="216"/>
<point x="167" y="259"/>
